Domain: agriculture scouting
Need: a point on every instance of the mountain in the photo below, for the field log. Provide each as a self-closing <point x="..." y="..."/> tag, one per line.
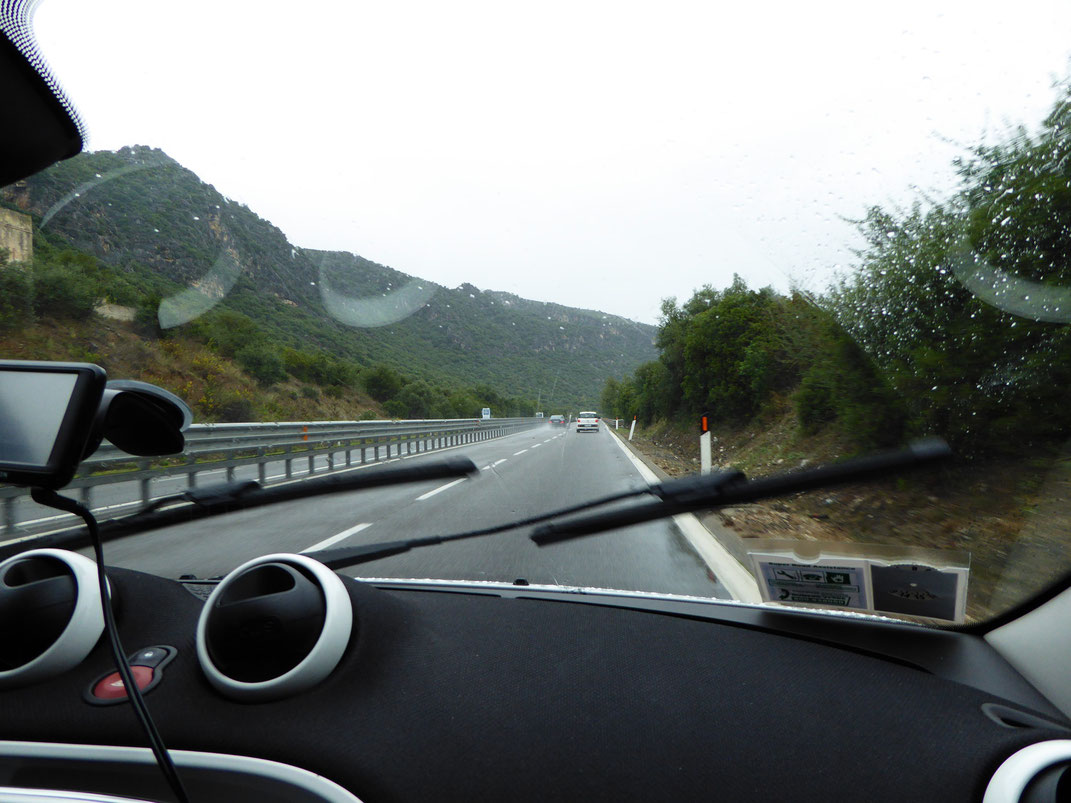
<point x="145" y="215"/>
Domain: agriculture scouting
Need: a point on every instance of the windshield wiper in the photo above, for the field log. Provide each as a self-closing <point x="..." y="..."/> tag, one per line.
<point x="733" y="488"/>
<point x="684" y="495"/>
<point x="341" y="557"/>
<point x="227" y="497"/>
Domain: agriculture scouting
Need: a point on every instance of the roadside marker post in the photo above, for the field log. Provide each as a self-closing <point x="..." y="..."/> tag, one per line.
<point x="704" y="445"/>
<point x="632" y="429"/>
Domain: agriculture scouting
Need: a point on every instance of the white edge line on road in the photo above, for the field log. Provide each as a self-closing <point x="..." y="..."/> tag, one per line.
<point x="737" y="580"/>
<point x="440" y="489"/>
<point x="334" y="539"/>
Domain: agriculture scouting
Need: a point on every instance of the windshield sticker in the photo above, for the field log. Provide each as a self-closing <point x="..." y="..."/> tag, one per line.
<point x="905" y="587"/>
<point x="918" y="590"/>
<point x="841" y="584"/>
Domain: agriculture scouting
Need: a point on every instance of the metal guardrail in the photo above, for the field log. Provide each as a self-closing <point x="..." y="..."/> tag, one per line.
<point x="210" y="447"/>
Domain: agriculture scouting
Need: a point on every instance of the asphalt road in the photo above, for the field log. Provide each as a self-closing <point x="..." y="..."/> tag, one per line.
<point x="521" y="475"/>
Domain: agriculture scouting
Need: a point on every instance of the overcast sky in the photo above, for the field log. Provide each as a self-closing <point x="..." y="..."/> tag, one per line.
<point x="600" y="155"/>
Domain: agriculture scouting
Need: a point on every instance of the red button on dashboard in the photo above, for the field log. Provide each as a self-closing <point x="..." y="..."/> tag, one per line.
<point x="112" y="688"/>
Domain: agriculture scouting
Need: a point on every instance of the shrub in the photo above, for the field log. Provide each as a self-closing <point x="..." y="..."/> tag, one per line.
<point x="63" y="292"/>
<point x="262" y="362"/>
<point x="146" y="316"/>
<point x="16" y="297"/>
<point x="236" y="409"/>
<point x="815" y="403"/>
<point x="382" y="382"/>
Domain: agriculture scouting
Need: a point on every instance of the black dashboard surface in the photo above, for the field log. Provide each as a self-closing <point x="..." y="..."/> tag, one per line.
<point x="448" y="696"/>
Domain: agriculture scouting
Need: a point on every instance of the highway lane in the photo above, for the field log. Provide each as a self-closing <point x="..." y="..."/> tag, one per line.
<point x="521" y="475"/>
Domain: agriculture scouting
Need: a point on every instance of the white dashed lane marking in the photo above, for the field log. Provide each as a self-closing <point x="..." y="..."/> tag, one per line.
<point x="440" y="489"/>
<point x="334" y="539"/>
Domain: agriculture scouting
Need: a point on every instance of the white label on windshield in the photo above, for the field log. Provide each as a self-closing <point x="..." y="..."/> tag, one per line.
<point x="918" y="590"/>
<point x="840" y="582"/>
<point x="905" y="587"/>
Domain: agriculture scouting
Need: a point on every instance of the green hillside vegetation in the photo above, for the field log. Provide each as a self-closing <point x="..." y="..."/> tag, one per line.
<point x="224" y="364"/>
<point x="953" y="323"/>
<point x="156" y="229"/>
<point x="935" y="331"/>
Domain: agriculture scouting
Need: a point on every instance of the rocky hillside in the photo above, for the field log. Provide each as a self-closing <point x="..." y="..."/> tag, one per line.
<point x="143" y="214"/>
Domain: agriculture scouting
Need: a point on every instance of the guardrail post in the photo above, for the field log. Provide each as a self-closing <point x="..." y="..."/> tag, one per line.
<point x="87" y="497"/>
<point x="375" y="453"/>
<point x="330" y="461"/>
<point x="230" y="473"/>
<point x="364" y="454"/>
<point x="289" y="463"/>
<point x="146" y="491"/>
<point x="191" y="477"/>
<point x="262" y="465"/>
<point x="349" y="457"/>
<point x="9" y="514"/>
<point x="312" y="463"/>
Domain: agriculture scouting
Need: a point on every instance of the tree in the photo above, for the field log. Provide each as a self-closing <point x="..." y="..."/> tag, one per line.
<point x="382" y="382"/>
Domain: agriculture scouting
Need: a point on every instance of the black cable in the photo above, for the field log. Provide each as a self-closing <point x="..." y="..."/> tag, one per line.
<point x="163" y="759"/>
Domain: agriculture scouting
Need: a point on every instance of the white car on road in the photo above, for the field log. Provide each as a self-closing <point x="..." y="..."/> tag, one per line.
<point x="587" y="422"/>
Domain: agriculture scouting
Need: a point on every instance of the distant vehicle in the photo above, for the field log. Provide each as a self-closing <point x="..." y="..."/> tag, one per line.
<point x="486" y="412"/>
<point x="587" y="421"/>
<point x="557" y="420"/>
<point x="539" y="415"/>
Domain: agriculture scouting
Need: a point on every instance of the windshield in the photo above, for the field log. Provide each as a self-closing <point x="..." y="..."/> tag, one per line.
<point x="765" y="238"/>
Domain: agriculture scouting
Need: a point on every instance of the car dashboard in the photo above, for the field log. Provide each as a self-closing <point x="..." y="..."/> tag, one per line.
<point x="465" y="691"/>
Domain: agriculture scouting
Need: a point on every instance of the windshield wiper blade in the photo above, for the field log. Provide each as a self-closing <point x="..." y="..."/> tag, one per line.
<point x="341" y="557"/>
<point x="732" y="488"/>
<point x="674" y="496"/>
<point x="212" y="500"/>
